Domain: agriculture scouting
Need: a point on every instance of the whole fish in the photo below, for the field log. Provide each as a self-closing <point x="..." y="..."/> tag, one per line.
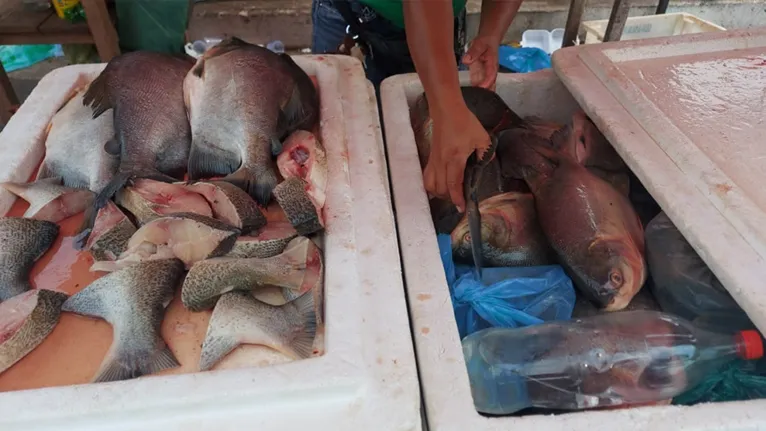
<point x="144" y="90"/>
<point x="75" y="147"/>
<point x="230" y="204"/>
<point x="238" y="318"/>
<point x="49" y="200"/>
<point x="303" y="156"/>
<point x="301" y="210"/>
<point x="133" y="301"/>
<point x="242" y="100"/>
<point x="25" y="321"/>
<point x="111" y="233"/>
<point x="185" y="236"/>
<point x="269" y="241"/>
<point x="149" y="199"/>
<point x="486" y="105"/>
<point x="591" y="226"/>
<point x="510" y="232"/>
<point x="22" y="242"/>
<point x="297" y="268"/>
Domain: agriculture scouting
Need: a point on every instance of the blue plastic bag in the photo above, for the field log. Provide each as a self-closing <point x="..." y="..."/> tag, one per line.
<point x="508" y="297"/>
<point x="523" y="60"/>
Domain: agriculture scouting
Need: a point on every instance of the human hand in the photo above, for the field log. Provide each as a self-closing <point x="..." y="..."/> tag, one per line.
<point x="482" y="62"/>
<point x="456" y="135"/>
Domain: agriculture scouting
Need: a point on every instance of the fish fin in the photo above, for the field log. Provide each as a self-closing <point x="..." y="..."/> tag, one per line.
<point x="124" y="364"/>
<point x="113" y="147"/>
<point x="97" y="96"/>
<point x="290" y="294"/>
<point x="302" y="342"/>
<point x="302" y="109"/>
<point x="87" y="302"/>
<point x="199" y="68"/>
<point x="215" y="348"/>
<point x="276" y="146"/>
<point x="258" y="186"/>
<point x="560" y="136"/>
<point x="204" y="162"/>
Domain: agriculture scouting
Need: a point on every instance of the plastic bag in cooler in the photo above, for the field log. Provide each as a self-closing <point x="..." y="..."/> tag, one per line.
<point x="506" y="297"/>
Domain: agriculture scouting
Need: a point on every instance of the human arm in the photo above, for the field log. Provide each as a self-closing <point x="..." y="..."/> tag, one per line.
<point x="481" y="58"/>
<point x="457" y="132"/>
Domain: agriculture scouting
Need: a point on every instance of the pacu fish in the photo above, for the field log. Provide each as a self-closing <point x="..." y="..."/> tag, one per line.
<point x="242" y="100"/>
<point x="297" y="268"/>
<point x="74" y="147"/>
<point x="303" y="156"/>
<point x="587" y="145"/>
<point x="591" y="226"/>
<point x="269" y="241"/>
<point x="148" y="199"/>
<point x="185" y="236"/>
<point x="144" y="90"/>
<point x="133" y="301"/>
<point x="25" y="321"/>
<point x="511" y="234"/>
<point x="230" y="204"/>
<point x="238" y="318"/>
<point x="111" y="233"/>
<point x="301" y="210"/>
<point x="49" y="200"/>
<point x="22" y="242"/>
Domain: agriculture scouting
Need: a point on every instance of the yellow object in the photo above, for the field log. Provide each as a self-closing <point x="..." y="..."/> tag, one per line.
<point x="62" y="6"/>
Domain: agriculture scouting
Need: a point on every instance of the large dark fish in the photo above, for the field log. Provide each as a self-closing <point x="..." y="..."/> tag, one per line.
<point x="242" y="101"/>
<point x="152" y="133"/>
<point x="591" y="226"/>
<point x="22" y="242"/>
<point x="585" y="143"/>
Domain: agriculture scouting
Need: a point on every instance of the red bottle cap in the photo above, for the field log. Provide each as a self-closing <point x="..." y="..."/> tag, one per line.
<point x="750" y="344"/>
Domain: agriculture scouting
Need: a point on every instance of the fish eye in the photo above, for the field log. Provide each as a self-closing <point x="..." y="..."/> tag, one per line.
<point x="615" y="277"/>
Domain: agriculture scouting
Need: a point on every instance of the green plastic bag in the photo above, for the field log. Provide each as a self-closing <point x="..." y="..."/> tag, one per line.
<point x="15" y="57"/>
<point x="151" y="25"/>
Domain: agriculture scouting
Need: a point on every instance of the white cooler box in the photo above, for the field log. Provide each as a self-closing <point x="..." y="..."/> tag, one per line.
<point x="686" y="115"/>
<point x="367" y="377"/>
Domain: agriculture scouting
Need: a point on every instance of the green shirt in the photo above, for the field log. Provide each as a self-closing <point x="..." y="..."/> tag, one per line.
<point x="392" y="9"/>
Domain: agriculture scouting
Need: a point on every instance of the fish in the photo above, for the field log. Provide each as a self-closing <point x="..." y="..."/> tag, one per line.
<point x="133" y="301"/>
<point x="269" y="241"/>
<point x="511" y="234"/>
<point x="23" y="241"/>
<point x="585" y="143"/>
<point x="489" y="108"/>
<point x="25" y="321"/>
<point x="238" y="318"/>
<point x="303" y="156"/>
<point x="149" y="199"/>
<point x="644" y="300"/>
<point x="301" y="210"/>
<point x="542" y="128"/>
<point x="144" y="91"/>
<point x="297" y="268"/>
<point x="75" y="147"/>
<point x="593" y="229"/>
<point x="230" y="204"/>
<point x="242" y="101"/>
<point x="186" y="236"/>
<point x="111" y="233"/>
<point x="49" y="200"/>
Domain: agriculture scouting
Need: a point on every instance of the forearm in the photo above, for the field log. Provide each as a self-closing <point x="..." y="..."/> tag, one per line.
<point x="430" y="34"/>
<point x="496" y="17"/>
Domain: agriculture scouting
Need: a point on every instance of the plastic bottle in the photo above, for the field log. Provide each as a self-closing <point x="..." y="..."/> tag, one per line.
<point x="602" y="361"/>
<point x="276" y="46"/>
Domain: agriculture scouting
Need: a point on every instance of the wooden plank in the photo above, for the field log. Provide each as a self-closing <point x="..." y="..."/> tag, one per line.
<point x="56" y="25"/>
<point x="617" y="20"/>
<point x="41" y="39"/>
<point x="8" y="99"/>
<point x="15" y="19"/>
<point x="574" y="19"/>
<point x="101" y="28"/>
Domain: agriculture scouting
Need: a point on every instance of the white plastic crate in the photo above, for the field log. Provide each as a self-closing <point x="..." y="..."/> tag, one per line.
<point x="366" y="380"/>
<point x="642" y="27"/>
<point x="444" y="380"/>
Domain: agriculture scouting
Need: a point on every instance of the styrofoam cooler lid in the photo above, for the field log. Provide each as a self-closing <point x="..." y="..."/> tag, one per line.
<point x="687" y="115"/>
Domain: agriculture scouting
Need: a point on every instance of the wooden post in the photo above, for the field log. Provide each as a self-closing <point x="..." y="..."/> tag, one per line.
<point x="101" y="28"/>
<point x="574" y="18"/>
<point x="8" y="99"/>
<point x="617" y="20"/>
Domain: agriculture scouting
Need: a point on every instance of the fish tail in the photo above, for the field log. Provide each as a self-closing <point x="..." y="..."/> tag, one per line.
<point x="9" y="290"/>
<point x="44" y="172"/>
<point x="302" y="338"/>
<point x="215" y="348"/>
<point x="259" y="186"/>
<point x="123" y="363"/>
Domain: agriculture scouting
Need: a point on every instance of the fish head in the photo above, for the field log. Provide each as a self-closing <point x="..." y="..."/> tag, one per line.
<point x="504" y="223"/>
<point x="613" y="272"/>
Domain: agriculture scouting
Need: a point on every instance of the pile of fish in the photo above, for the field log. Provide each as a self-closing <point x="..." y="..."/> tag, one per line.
<point x="552" y="193"/>
<point x="176" y="165"/>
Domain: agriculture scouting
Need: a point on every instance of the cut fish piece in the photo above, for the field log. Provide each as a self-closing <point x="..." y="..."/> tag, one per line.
<point x="133" y="301"/>
<point x="230" y="204"/>
<point x="25" y="321"/>
<point x="304" y="157"/>
<point x="238" y="318"/>
<point x="186" y="236"/>
<point x="49" y="200"/>
<point x="297" y="268"/>
<point x="303" y="213"/>
<point x="23" y="242"/>
<point x="111" y="233"/>
<point x="148" y="199"/>
<point x="267" y="242"/>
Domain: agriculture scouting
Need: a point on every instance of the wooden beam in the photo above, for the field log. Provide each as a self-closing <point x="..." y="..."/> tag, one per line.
<point x="617" y="20"/>
<point x="574" y="18"/>
<point x="101" y="28"/>
<point x="44" y="38"/>
<point x="8" y="99"/>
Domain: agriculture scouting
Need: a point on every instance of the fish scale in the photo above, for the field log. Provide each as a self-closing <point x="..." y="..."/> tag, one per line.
<point x="22" y="242"/>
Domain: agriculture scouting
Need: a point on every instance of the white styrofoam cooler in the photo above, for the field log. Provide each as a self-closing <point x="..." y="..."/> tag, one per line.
<point x="643" y="27"/>
<point x="367" y="378"/>
<point x="667" y="175"/>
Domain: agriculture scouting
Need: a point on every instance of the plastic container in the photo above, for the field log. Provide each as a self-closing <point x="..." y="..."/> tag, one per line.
<point x="368" y="369"/>
<point x="643" y="27"/>
<point x="609" y="360"/>
<point x="548" y="41"/>
<point x="667" y="166"/>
